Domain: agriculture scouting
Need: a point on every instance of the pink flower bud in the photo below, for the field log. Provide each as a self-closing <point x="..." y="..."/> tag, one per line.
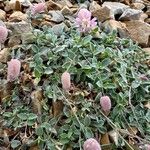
<point x="105" y="103"/>
<point x="147" y="147"/>
<point x="38" y="8"/>
<point x="65" y="80"/>
<point x="13" y="69"/>
<point x="91" y="144"/>
<point x="3" y="34"/>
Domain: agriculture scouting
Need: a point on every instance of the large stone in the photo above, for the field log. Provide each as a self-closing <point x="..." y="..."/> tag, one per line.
<point x="139" y="31"/>
<point x="2" y="15"/>
<point x="11" y="4"/>
<point x="14" y="40"/>
<point x="53" y="6"/>
<point x="117" y="26"/>
<point x="103" y="13"/>
<point x="56" y="16"/>
<point x="59" y="28"/>
<point x="66" y="11"/>
<point x="19" y="27"/>
<point x="130" y="14"/>
<point x="116" y="7"/>
<point x="94" y="6"/>
<point x="138" y="6"/>
<point x="65" y="3"/>
<point x="18" y="16"/>
<point x="148" y="10"/>
<point x="143" y="17"/>
<point x="4" y="54"/>
<point x="147" y="50"/>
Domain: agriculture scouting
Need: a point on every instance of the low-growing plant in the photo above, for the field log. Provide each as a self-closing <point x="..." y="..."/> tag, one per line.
<point x="98" y="66"/>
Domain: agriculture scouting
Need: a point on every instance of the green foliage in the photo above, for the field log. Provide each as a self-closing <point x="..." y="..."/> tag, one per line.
<point x="104" y="66"/>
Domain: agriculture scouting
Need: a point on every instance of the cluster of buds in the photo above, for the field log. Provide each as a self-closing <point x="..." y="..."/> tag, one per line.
<point x="13" y="70"/>
<point x="105" y="103"/>
<point x="3" y="34"/>
<point x="66" y="81"/>
<point x="91" y="144"/>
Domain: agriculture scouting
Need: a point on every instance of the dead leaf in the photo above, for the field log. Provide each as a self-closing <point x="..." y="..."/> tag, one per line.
<point x="133" y="130"/>
<point x="37" y="97"/>
<point x="105" y="139"/>
<point x="57" y="108"/>
<point x="147" y="105"/>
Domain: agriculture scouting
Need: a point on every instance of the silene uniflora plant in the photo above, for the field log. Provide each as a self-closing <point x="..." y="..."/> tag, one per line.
<point x="104" y="74"/>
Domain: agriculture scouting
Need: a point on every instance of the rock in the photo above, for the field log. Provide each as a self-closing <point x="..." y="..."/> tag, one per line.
<point x="130" y="14"/>
<point x="116" y="7"/>
<point x="14" y="40"/>
<point x="2" y="15"/>
<point x="4" y="54"/>
<point x="19" y="27"/>
<point x="148" y="10"/>
<point x="138" y="6"/>
<point x="137" y="1"/>
<point x="103" y="14"/>
<point x="56" y="16"/>
<point x="66" y="11"/>
<point x="53" y="6"/>
<point x="147" y="20"/>
<point x="139" y="31"/>
<point x="11" y="5"/>
<point x="18" y="16"/>
<point x="147" y="50"/>
<point x="118" y="26"/>
<point x="143" y="17"/>
<point x="65" y="3"/>
<point x="94" y="6"/>
<point x="59" y="28"/>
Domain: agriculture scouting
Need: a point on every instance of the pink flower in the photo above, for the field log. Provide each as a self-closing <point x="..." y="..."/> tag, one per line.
<point x="65" y="80"/>
<point x="13" y="69"/>
<point x="105" y="103"/>
<point x="3" y="34"/>
<point x="91" y="144"/>
<point x="38" y="8"/>
<point x="147" y="147"/>
<point x="84" y="22"/>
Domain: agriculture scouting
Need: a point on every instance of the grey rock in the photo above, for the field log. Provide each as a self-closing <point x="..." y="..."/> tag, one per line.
<point x="4" y="54"/>
<point x="103" y="14"/>
<point x="56" y="16"/>
<point x="59" y="28"/>
<point x="130" y="14"/>
<point x="116" y="7"/>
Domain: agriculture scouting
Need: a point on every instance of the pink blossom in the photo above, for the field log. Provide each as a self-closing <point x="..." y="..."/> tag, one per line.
<point x="65" y="80"/>
<point x="147" y="147"/>
<point x="3" y="34"/>
<point x="91" y="144"/>
<point x="38" y="8"/>
<point x="13" y="69"/>
<point x="84" y="21"/>
<point x="105" y="103"/>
